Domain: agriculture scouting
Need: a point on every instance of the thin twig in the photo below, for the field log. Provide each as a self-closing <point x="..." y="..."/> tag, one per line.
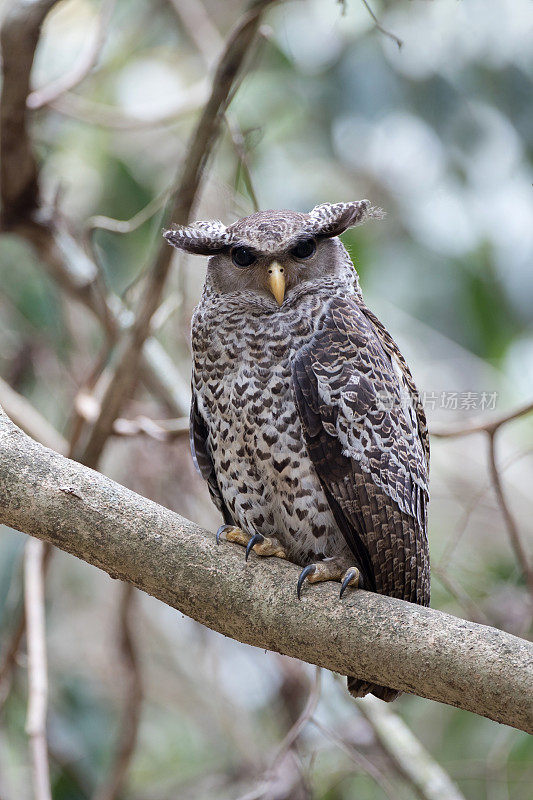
<point x="483" y="425"/>
<point x="9" y="659"/>
<point x="128" y="225"/>
<point x="475" y="613"/>
<point x="358" y="758"/>
<point x="52" y="91"/>
<point x="105" y="116"/>
<point x="301" y="722"/>
<point x="201" y="30"/>
<point x="164" y="430"/>
<point x="37" y="672"/>
<point x="131" y="713"/>
<point x="239" y="145"/>
<point x="510" y="523"/>
<point x="380" y="27"/>
<point x="26" y="416"/>
<point x="119" y="226"/>
<point x="490" y="428"/>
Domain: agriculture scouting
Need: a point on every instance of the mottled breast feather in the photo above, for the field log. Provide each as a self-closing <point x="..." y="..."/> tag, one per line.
<point x="365" y="435"/>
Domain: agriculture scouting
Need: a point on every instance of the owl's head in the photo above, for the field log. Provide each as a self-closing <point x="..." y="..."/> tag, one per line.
<point x="272" y="252"/>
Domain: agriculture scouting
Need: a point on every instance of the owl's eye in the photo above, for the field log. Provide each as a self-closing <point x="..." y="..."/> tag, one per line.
<point x="304" y="249"/>
<point x="242" y="257"/>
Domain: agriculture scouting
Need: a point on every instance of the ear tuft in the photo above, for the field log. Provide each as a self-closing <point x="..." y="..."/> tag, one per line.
<point x="200" y="238"/>
<point x="332" y="219"/>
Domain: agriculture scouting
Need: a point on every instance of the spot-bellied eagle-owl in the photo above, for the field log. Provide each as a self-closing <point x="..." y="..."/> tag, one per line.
<point x="305" y="421"/>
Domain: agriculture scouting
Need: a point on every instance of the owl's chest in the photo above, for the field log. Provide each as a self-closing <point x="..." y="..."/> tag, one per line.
<point x="242" y="369"/>
<point x="243" y="388"/>
<point x="246" y="396"/>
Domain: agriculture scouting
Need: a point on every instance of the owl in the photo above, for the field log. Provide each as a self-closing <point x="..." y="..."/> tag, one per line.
<point x="305" y="420"/>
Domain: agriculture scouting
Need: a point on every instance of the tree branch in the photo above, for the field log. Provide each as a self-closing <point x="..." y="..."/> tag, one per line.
<point x="510" y="522"/>
<point x="377" y="638"/>
<point x="482" y="425"/>
<point x="381" y="29"/>
<point x="26" y="416"/>
<point x="490" y="428"/>
<point x="37" y="671"/>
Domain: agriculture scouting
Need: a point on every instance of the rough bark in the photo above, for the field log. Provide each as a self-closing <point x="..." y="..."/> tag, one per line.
<point x="377" y="638"/>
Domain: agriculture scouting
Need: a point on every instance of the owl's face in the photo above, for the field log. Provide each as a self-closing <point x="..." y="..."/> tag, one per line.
<point x="272" y="273"/>
<point x="271" y="253"/>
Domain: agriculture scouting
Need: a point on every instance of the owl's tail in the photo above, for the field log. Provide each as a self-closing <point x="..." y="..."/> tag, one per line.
<point x="359" y="688"/>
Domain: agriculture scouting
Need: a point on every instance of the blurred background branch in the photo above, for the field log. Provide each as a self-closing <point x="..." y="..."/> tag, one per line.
<point x="133" y="691"/>
<point x="37" y="670"/>
<point x="490" y="428"/>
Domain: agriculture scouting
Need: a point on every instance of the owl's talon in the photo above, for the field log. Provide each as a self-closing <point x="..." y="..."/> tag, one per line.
<point x="330" y="569"/>
<point x="266" y="546"/>
<point x="257" y="538"/>
<point x="261" y="545"/>
<point x="220" y="532"/>
<point x="230" y="533"/>
<point x="352" y="577"/>
<point x="303" y="575"/>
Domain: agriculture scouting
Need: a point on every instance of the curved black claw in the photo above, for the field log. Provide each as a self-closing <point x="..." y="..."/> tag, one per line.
<point x="350" y="575"/>
<point x="303" y="575"/>
<point x="257" y="537"/>
<point x="220" y="531"/>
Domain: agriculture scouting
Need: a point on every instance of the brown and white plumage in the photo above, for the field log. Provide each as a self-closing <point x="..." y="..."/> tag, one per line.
<point x="305" y="420"/>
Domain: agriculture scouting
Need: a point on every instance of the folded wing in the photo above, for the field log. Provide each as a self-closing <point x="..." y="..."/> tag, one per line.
<point x="366" y="435"/>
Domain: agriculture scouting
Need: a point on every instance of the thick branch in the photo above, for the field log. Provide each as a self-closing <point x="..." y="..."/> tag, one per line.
<point x="377" y="638"/>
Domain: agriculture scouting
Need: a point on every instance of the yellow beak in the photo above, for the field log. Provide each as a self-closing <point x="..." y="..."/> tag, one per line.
<point x="276" y="281"/>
